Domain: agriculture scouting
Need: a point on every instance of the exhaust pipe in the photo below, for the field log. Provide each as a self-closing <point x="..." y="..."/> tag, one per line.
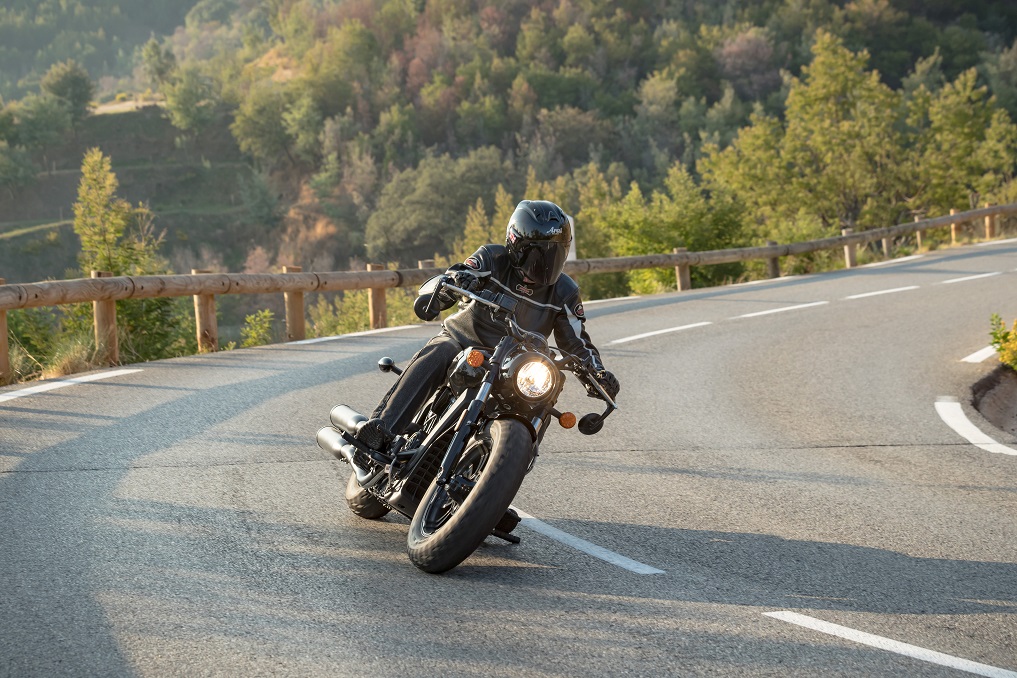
<point x="346" y="419"/>
<point x="331" y="441"/>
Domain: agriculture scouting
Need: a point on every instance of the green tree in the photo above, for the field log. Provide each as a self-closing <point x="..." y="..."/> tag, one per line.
<point x="191" y="100"/>
<point x="40" y="120"/>
<point x="158" y="63"/>
<point x="16" y="168"/>
<point x="966" y="148"/>
<point x="70" y="82"/>
<point x="839" y="157"/>
<point x="258" y="126"/>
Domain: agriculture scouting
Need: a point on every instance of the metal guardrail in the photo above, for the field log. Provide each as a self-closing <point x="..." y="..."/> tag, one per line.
<point x="103" y="290"/>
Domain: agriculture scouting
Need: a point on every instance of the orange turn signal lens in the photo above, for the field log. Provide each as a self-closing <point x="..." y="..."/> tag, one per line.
<point x="475" y="359"/>
<point x="567" y="420"/>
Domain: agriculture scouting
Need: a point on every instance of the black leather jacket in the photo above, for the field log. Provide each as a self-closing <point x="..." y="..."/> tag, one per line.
<point x="543" y="308"/>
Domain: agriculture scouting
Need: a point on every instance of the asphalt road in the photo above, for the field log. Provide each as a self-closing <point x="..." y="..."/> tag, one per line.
<point x="786" y="457"/>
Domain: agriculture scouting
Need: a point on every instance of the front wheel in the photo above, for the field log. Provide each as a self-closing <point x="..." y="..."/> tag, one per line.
<point x="443" y="532"/>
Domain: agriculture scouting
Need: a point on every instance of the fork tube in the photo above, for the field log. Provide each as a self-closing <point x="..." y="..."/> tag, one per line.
<point x="476" y="406"/>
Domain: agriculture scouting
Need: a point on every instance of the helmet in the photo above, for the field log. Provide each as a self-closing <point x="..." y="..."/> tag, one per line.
<point x="538" y="239"/>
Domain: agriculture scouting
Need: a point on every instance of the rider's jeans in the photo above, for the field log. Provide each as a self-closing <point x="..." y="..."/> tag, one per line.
<point x="421" y="377"/>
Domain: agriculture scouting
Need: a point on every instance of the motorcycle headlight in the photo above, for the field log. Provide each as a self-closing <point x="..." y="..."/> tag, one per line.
<point x="534" y="379"/>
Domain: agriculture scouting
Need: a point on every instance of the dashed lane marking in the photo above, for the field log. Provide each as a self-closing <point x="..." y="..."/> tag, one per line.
<point x="950" y="411"/>
<point x="657" y="332"/>
<point x="782" y="309"/>
<point x="60" y="383"/>
<point x="996" y="242"/>
<point x="319" y="340"/>
<point x="873" y="294"/>
<point x="891" y="645"/>
<point x="971" y="277"/>
<point x="893" y="261"/>
<point x="980" y="356"/>
<point x="589" y="548"/>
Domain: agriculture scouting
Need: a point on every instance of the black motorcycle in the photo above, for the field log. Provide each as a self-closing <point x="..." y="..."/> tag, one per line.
<point x="456" y="469"/>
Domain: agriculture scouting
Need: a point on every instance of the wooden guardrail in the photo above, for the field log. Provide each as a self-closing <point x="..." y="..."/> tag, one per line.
<point x="103" y="290"/>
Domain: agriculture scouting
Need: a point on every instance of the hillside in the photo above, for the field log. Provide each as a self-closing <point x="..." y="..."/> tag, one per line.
<point x="200" y="199"/>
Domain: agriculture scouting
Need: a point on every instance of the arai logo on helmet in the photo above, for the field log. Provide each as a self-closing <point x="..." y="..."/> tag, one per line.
<point x="554" y="231"/>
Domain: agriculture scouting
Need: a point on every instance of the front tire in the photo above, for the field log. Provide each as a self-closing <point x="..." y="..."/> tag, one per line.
<point x="443" y="534"/>
<point x="362" y="502"/>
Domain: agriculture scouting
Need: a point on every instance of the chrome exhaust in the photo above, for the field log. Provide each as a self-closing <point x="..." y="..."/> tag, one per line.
<point x="330" y="440"/>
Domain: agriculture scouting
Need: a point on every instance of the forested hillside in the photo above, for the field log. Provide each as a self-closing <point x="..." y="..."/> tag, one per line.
<point x="388" y="125"/>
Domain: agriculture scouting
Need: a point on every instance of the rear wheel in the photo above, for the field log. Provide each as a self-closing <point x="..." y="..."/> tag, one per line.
<point x="444" y="532"/>
<point x="362" y="502"/>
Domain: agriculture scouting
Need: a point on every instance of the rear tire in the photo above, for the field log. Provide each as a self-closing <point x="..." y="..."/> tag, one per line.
<point x="361" y="502"/>
<point x="442" y="535"/>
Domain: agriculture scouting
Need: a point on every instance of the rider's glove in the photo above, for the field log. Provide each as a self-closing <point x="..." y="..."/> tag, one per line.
<point x="460" y="279"/>
<point x="609" y="383"/>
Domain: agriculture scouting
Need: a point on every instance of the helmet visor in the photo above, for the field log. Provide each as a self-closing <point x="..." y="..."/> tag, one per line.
<point x="542" y="262"/>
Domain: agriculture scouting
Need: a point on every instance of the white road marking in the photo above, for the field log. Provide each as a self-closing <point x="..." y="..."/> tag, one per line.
<point x="584" y="546"/>
<point x="873" y="294"/>
<point x="952" y="414"/>
<point x="653" y="334"/>
<point x="980" y="356"/>
<point x="781" y="310"/>
<point x="890" y="645"/>
<point x="893" y="261"/>
<point x="60" y="383"/>
<point x="996" y="242"/>
<point x="318" y="340"/>
<point x="765" y="280"/>
<point x="604" y="301"/>
<point x="971" y="277"/>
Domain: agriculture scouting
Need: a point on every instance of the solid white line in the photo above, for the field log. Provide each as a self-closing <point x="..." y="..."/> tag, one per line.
<point x="950" y="412"/>
<point x="971" y="277"/>
<point x="584" y="546"/>
<point x="979" y="356"/>
<point x="764" y="280"/>
<point x="873" y="294"/>
<point x="365" y="333"/>
<point x="653" y="334"/>
<point x="604" y="301"/>
<point x="60" y="383"/>
<point x="893" y="261"/>
<point x="780" y="310"/>
<point x="890" y="645"/>
<point x="996" y="242"/>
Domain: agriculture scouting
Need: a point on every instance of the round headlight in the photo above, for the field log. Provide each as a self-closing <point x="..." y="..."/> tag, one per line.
<point x="534" y="379"/>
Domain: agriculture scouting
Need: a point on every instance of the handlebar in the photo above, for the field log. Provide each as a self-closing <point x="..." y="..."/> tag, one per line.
<point x="569" y="361"/>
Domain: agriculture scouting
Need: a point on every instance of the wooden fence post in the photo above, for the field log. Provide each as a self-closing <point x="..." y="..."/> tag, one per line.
<point x="376" y="305"/>
<point x="5" y="356"/>
<point x="204" y="319"/>
<point x="850" y="251"/>
<point x="104" y="318"/>
<point x="425" y="263"/>
<point x="296" y="326"/>
<point x="886" y="247"/>
<point x="918" y="234"/>
<point x="683" y="273"/>
<point x="953" y="228"/>
<point x="772" y="264"/>
<point x="990" y="224"/>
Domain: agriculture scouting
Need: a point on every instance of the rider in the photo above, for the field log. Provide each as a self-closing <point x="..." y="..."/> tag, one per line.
<point x="528" y="268"/>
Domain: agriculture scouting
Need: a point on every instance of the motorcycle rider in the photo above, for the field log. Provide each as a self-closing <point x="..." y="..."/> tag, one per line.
<point x="529" y="269"/>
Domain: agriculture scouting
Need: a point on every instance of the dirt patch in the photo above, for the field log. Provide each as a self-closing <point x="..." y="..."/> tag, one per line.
<point x="995" y="397"/>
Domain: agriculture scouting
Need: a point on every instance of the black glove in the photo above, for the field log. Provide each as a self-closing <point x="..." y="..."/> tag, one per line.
<point x="608" y="382"/>
<point x="460" y="279"/>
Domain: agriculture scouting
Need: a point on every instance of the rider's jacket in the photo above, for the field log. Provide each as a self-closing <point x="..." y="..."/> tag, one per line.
<point x="553" y="308"/>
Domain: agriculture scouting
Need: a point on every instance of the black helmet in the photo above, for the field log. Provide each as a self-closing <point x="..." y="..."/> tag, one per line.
<point x="538" y="239"/>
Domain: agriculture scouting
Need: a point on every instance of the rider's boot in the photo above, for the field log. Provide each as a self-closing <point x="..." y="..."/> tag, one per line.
<point x="374" y="434"/>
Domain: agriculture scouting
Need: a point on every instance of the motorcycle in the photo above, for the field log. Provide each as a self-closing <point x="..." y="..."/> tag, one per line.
<point x="456" y="469"/>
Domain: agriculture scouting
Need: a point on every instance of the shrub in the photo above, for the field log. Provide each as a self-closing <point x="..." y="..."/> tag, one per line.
<point x="257" y="330"/>
<point x="1004" y="341"/>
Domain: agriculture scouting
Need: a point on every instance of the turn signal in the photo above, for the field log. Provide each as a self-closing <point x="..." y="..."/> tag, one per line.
<point x="567" y="420"/>
<point x="475" y="358"/>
